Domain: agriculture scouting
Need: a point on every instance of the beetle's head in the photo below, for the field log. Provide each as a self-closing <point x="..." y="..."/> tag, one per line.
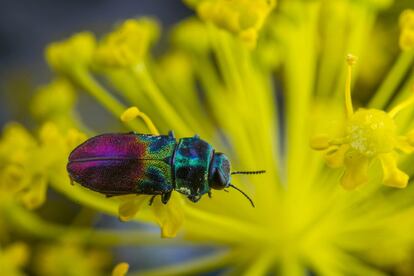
<point x="219" y="174"/>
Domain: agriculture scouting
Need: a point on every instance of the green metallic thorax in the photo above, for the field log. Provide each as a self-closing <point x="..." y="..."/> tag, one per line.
<point x="191" y="167"/>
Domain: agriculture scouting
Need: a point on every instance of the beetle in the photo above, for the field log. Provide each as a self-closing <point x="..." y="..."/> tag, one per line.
<point x="132" y="163"/>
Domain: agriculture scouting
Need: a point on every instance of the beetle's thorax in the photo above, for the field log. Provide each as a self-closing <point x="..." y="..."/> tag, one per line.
<point x="190" y="164"/>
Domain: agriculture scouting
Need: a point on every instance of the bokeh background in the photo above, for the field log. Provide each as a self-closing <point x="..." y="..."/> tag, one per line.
<point x="26" y="27"/>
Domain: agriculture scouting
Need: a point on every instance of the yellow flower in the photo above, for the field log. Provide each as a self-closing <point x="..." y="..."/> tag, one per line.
<point x="242" y="17"/>
<point x="120" y="269"/>
<point x="407" y="30"/>
<point x="26" y="163"/>
<point x="128" y="44"/>
<point x="369" y="134"/>
<point x="71" y="54"/>
<point x="13" y="258"/>
<point x="55" y="102"/>
<point x="192" y="35"/>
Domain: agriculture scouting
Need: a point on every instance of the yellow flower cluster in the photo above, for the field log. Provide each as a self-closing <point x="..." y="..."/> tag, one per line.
<point x="27" y="162"/>
<point x="407" y="30"/>
<point x="128" y="44"/>
<point x="76" y="53"/>
<point x="13" y="258"/>
<point x="243" y="17"/>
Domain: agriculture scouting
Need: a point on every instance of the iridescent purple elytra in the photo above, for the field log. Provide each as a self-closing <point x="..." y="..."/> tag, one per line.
<point x="132" y="163"/>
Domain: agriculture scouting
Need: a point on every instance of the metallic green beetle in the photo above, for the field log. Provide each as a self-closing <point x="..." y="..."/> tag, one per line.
<point x="132" y="163"/>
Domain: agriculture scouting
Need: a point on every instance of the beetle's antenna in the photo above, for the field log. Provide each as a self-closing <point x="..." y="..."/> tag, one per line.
<point x="249" y="172"/>
<point x="234" y="187"/>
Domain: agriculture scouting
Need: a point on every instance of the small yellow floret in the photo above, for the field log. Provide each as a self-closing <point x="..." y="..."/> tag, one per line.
<point x="191" y="34"/>
<point x="369" y="134"/>
<point x="54" y="99"/>
<point x="128" y="44"/>
<point x="120" y="269"/>
<point x="76" y="51"/>
<point x="406" y="40"/>
<point x="242" y="17"/>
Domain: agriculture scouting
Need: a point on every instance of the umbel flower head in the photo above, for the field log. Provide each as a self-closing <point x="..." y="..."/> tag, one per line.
<point x="256" y="83"/>
<point x="369" y="133"/>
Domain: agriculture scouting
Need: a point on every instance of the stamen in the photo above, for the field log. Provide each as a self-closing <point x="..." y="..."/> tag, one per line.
<point x="351" y="60"/>
<point x="133" y="112"/>
<point x="402" y="105"/>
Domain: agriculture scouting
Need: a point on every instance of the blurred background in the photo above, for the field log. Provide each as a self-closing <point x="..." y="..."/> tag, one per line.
<point x="26" y="27"/>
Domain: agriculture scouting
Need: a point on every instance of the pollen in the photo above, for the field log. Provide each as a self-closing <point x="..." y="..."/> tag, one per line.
<point x="371" y="132"/>
<point x="368" y="134"/>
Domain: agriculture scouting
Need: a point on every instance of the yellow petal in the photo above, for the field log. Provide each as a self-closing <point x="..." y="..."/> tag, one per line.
<point x="169" y="216"/>
<point x="120" y="269"/>
<point x="335" y="158"/>
<point x="356" y="170"/>
<point x="128" y="209"/>
<point x="404" y="145"/>
<point x="393" y="176"/>
<point x="35" y="196"/>
<point x="320" y="142"/>
<point x="410" y="137"/>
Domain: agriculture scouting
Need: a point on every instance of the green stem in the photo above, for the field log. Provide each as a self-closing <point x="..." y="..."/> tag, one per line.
<point x="90" y="199"/>
<point x="390" y="84"/>
<point x="160" y="102"/>
<point x="85" y="80"/>
<point x="30" y="223"/>
<point x="192" y="267"/>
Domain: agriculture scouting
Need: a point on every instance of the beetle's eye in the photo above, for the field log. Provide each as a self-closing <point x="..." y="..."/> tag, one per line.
<point x="219" y="177"/>
<point x="217" y="180"/>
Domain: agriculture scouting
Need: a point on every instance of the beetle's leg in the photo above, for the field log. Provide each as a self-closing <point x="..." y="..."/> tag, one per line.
<point x="171" y="134"/>
<point x="165" y="197"/>
<point x="226" y="190"/>
<point x="71" y="181"/>
<point x="209" y="194"/>
<point x="151" y="200"/>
